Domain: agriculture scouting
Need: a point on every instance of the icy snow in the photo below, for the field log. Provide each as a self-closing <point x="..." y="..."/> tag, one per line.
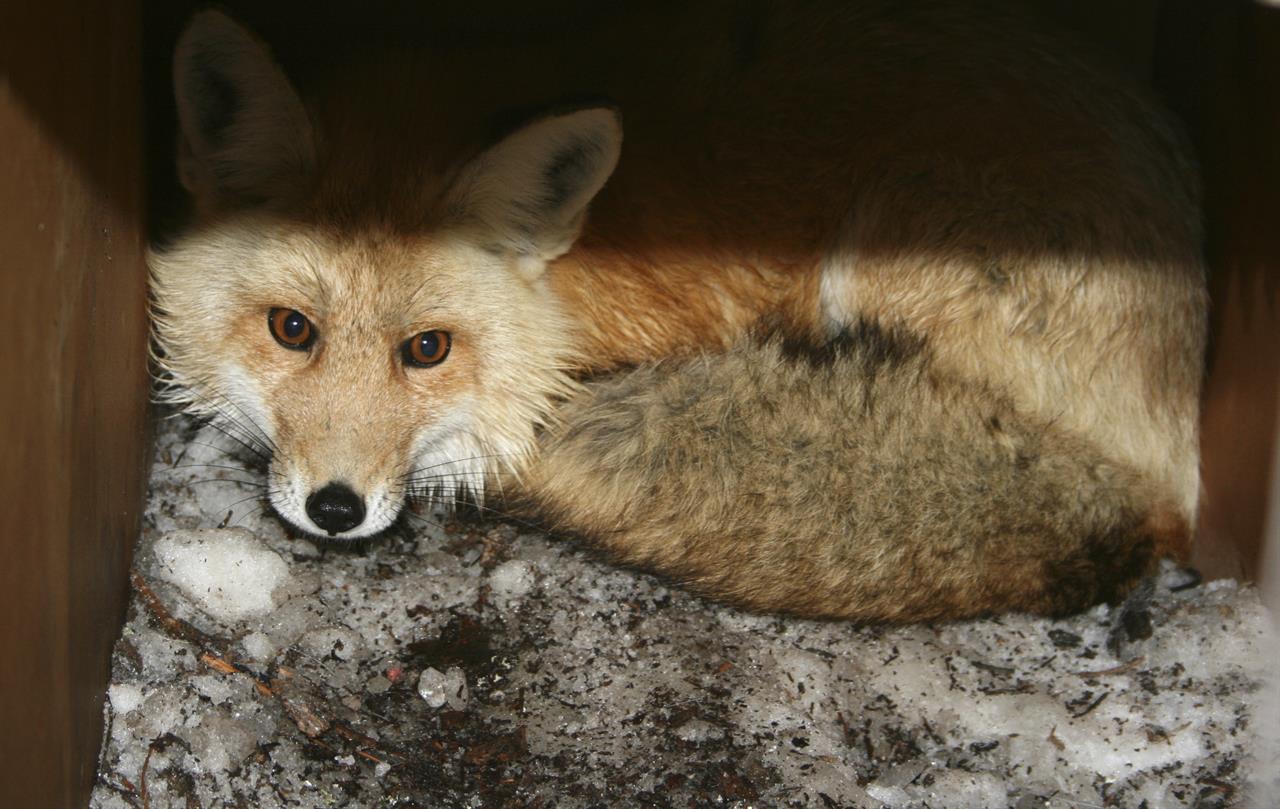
<point x="443" y="688"/>
<point x="258" y="646"/>
<point x="431" y="686"/>
<point x="124" y="697"/>
<point x="475" y="663"/>
<point x="227" y="572"/>
<point x="511" y="580"/>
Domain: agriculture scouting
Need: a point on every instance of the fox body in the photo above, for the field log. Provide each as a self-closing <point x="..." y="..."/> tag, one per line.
<point x="987" y="249"/>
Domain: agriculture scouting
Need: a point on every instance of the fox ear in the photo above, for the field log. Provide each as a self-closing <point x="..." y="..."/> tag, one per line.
<point x="246" y="136"/>
<point x="532" y="188"/>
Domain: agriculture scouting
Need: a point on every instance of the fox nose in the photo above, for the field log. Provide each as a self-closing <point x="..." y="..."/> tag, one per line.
<point x="335" y="508"/>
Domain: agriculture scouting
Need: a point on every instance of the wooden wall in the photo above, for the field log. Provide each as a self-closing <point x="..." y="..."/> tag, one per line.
<point x="1218" y="66"/>
<point x="72" y="380"/>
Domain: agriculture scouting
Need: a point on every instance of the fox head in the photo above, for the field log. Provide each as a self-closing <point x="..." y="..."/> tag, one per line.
<point x="368" y="358"/>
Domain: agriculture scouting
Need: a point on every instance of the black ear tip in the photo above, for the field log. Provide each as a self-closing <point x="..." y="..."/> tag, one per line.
<point x="605" y="122"/>
<point x="212" y="20"/>
<point x="612" y="110"/>
<point x="598" y="105"/>
<point x="200" y="28"/>
<point x="201" y="73"/>
<point x="210" y="31"/>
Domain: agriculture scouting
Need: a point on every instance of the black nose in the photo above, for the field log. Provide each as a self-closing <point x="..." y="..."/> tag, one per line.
<point x="335" y="508"/>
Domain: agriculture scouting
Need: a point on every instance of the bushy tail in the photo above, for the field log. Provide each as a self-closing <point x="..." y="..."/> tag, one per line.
<point x="853" y="482"/>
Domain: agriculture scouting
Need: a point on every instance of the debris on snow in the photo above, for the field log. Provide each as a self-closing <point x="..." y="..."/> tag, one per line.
<point x="476" y="663"/>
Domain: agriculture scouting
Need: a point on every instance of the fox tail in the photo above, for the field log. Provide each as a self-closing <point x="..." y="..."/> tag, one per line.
<point x="854" y="480"/>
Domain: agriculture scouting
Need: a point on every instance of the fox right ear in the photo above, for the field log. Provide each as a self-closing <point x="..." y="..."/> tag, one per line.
<point x="532" y="188"/>
<point x="246" y="136"/>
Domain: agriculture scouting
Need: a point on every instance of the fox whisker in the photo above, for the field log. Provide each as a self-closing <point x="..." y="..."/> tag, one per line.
<point x="251" y="427"/>
<point x="209" y="466"/>
<point x="257" y="484"/>
<point x="453" y="461"/>
<point x="247" y="441"/>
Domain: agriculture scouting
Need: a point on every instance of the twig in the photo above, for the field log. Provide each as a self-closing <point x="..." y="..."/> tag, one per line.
<point x="303" y="707"/>
<point x="146" y="762"/>
<point x="1123" y="668"/>
<point x="121" y="786"/>
<point x="172" y="624"/>
<point x="1089" y="708"/>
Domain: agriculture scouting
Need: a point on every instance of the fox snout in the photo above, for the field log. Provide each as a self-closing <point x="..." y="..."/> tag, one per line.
<point x="322" y="496"/>
<point x="336" y="508"/>
<point x="335" y="505"/>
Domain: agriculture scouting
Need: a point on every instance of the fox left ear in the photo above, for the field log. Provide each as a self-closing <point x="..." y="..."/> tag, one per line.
<point x="532" y="188"/>
<point x="245" y="133"/>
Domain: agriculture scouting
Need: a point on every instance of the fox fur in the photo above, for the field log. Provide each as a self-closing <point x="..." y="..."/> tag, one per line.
<point x="936" y="498"/>
<point x="981" y="250"/>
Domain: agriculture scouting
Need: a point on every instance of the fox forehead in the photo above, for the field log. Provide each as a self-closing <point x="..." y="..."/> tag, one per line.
<point x="378" y="279"/>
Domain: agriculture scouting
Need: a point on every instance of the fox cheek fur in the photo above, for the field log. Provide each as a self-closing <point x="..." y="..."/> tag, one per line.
<point x="351" y="427"/>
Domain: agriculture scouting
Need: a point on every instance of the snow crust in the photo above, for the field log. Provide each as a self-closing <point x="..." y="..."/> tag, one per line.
<point x="478" y="663"/>
<point x="227" y="572"/>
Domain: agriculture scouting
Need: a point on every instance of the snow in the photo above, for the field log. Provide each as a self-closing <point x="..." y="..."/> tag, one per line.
<point x="124" y="698"/>
<point x="431" y="686"/>
<point x="478" y="663"/>
<point x="443" y="688"/>
<point x="511" y="580"/>
<point x="258" y="646"/>
<point x="227" y="572"/>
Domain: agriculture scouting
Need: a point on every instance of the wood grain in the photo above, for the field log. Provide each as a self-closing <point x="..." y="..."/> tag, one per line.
<point x="72" y="380"/>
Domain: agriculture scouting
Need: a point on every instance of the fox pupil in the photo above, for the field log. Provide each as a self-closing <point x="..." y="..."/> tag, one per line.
<point x="294" y="325"/>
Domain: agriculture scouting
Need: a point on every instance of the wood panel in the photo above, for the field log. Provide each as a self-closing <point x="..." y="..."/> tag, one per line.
<point x="1218" y="63"/>
<point x="72" y="380"/>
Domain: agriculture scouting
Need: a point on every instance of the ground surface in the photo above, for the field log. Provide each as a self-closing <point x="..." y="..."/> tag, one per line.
<point x="475" y="663"/>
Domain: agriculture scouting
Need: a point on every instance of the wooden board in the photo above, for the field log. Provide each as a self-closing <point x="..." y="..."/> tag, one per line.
<point x="72" y="380"/>
<point x="1218" y="65"/>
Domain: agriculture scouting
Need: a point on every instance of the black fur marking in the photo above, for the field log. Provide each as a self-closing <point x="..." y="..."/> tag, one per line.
<point x="883" y="346"/>
<point x="1185" y="579"/>
<point x="1133" y="622"/>
<point x="216" y="99"/>
<point x="568" y="171"/>
<point x="995" y="273"/>
<point x="877" y="346"/>
<point x="1105" y="569"/>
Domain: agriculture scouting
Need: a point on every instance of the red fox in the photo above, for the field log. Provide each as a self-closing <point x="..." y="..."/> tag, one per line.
<point x="867" y="310"/>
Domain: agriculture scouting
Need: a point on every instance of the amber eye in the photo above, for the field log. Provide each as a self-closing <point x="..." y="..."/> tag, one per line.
<point x="426" y="349"/>
<point x="291" y="329"/>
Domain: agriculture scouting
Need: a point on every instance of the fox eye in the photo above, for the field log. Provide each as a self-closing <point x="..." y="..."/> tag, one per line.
<point x="426" y="348"/>
<point x="291" y="328"/>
